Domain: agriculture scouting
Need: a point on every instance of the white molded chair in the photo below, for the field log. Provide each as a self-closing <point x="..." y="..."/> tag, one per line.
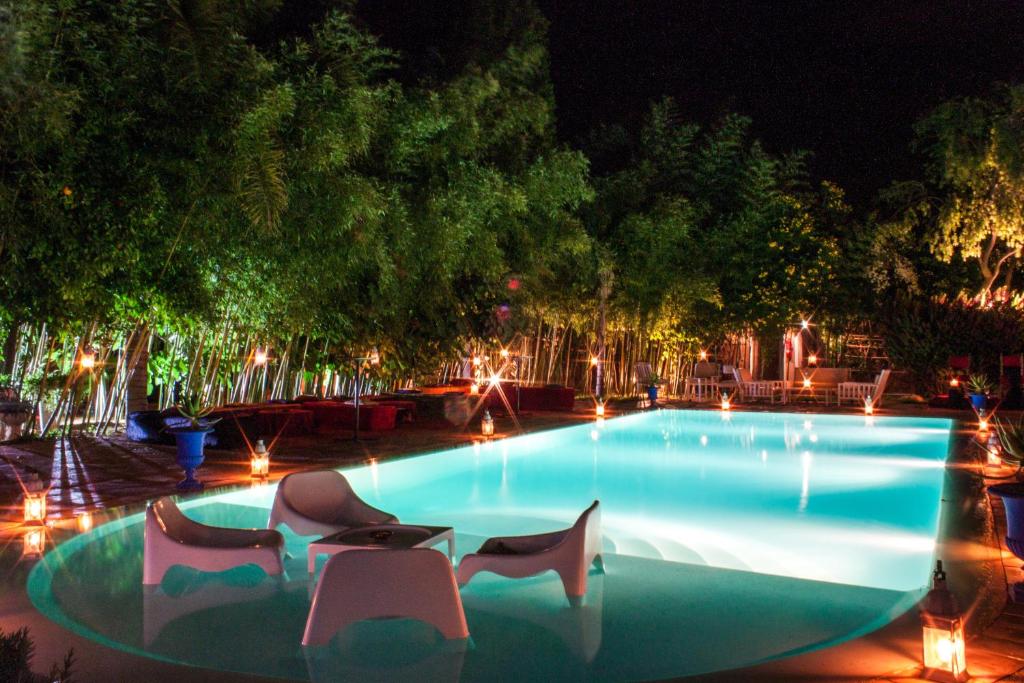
<point x="569" y="552"/>
<point x="320" y="503"/>
<point x="858" y="392"/>
<point x="751" y="389"/>
<point x="172" y="538"/>
<point x="370" y="584"/>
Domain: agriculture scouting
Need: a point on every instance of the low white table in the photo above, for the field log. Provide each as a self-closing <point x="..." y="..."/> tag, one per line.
<point x="382" y="536"/>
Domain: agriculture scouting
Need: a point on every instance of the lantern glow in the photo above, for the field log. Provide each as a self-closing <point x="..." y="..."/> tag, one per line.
<point x="807" y="382"/>
<point x="259" y="357"/>
<point x="954" y="382"/>
<point x="599" y="410"/>
<point x="726" y="403"/>
<point x="594" y="360"/>
<point x="259" y="461"/>
<point x="487" y="424"/>
<point x="474" y="389"/>
<point x="35" y="507"/>
<point x="812" y="359"/>
<point x="504" y="353"/>
<point x="703" y="354"/>
<point x="982" y="424"/>
<point x="477" y="361"/>
<point x="804" y="324"/>
<point x="88" y="359"/>
<point x="869" y="406"/>
<point x="495" y="378"/>
<point x="942" y="633"/>
<point x="84" y="522"/>
<point x="34" y="542"/>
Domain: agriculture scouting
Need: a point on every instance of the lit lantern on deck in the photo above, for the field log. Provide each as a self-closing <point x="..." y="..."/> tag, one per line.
<point x="84" y="522"/>
<point x="87" y="361"/>
<point x="594" y="360"/>
<point x="259" y="462"/>
<point x="259" y="357"/>
<point x="474" y="389"/>
<point x="807" y="382"/>
<point x="954" y="382"/>
<point x="982" y="422"/>
<point x="869" y="406"/>
<point x="34" y="542"/>
<point x="726" y="403"/>
<point x="812" y="359"/>
<point x="504" y="353"/>
<point x="599" y="410"/>
<point x="942" y="626"/>
<point x="35" y="501"/>
<point x="703" y="354"/>
<point x="487" y="424"/>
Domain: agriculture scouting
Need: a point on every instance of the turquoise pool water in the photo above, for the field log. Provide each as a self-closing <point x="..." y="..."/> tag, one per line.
<point x="729" y="540"/>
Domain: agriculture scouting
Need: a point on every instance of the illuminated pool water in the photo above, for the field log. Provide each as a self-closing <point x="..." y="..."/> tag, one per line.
<point x="729" y="539"/>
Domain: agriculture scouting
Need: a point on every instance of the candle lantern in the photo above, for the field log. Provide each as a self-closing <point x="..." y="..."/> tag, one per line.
<point x="726" y="403"/>
<point x="982" y="422"/>
<point x="87" y="361"/>
<point x="474" y="388"/>
<point x="942" y="631"/>
<point x="703" y="354"/>
<point x="84" y="522"/>
<point x="869" y="406"/>
<point x="954" y="382"/>
<point x="599" y="410"/>
<point x="504" y="353"/>
<point x="594" y="360"/>
<point x="259" y="463"/>
<point x="807" y="382"/>
<point x="812" y="359"/>
<point x="35" y="501"/>
<point x="487" y="424"/>
<point x="259" y="357"/>
<point x="34" y="543"/>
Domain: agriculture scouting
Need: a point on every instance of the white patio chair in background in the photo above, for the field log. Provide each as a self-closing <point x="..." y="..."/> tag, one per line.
<point x="569" y="552"/>
<point x="369" y="584"/>
<point x="172" y="538"/>
<point x="751" y="389"/>
<point x="320" y="503"/>
<point x="858" y="392"/>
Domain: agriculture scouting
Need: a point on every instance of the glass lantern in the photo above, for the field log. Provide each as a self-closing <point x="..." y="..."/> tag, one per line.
<point x="487" y="424"/>
<point x="259" y="463"/>
<point x="942" y="633"/>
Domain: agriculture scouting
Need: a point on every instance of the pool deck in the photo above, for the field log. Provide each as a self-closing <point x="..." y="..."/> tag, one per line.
<point x="107" y="475"/>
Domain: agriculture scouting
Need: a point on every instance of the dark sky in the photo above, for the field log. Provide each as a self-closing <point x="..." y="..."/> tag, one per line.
<point x="843" y="79"/>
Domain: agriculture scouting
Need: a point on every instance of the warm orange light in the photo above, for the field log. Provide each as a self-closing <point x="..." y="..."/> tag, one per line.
<point x="812" y="359"/>
<point x="259" y="357"/>
<point x="982" y="424"/>
<point x="259" y="461"/>
<point x="35" y="507"/>
<point x="726" y="403"/>
<point x="599" y="410"/>
<point x="477" y="361"/>
<point x="954" y="382"/>
<point x="504" y="353"/>
<point x="34" y="543"/>
<point x="594" y="360"/>
<point x="474" y="389"/>
<point x="807" y="382"/>
<point x="84" y="522"/>
<point x="495" y="378"/>
<point x="487" y="424"/>
<point x="88" y="359"/>
<point x="869" y="406"/>
<point x="945" y="653"/>
<point x="804" y="324"/>
<point x="703" y="354"/>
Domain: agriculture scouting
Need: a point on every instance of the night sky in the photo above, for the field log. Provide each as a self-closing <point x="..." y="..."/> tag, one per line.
<point x="845" y="80"/>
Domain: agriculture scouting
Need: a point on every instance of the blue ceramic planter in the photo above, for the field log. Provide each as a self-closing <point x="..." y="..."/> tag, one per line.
<point x="652" y="394"/>
<point x="190" y="455"/>
<point x="979" y="401"/>
<point x="1013" y="503"/>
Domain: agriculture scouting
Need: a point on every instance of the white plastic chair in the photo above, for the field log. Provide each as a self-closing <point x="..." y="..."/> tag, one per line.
<point x="751" y="389"/>
<point x="569" y="552"/>
<point x="172" y="538"/>
<point x="370" y="584"/>
<point x="320" y="503"/>
<point x="858" y="392"/>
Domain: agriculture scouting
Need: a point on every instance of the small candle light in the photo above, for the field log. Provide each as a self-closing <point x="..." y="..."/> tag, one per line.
<point x="594" y="360"/>
<point x="84" y="522"/>
<point x="259" y="461"/>
<point x="954" y="382"/>
<point x="474" y="389"/>
<point x="34" y="543"/>
<point x="504" y="353"/>
<point x="982" y="423"/>
<point x="487" y="424"/>
<point x="477" y="361"/>
<point x="35" y="500"/>
<point x="726" y="403"/>
<point x="495" y="378"/>
<point x="869" y="406"/>
<point x="87" y="361"/>
<point x="804" y="324"/>
<point x="599" y="410"/>
<point x="373" y="356"/>
<point x="259" y="357"/>
<point x="812" y="359"/>
<point x="703" y="354"/>
<point x="807" y="382"/>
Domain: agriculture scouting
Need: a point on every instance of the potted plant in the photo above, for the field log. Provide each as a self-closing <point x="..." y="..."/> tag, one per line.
<point x="652" y="388"/>
<point x="979" y="387"/>
<point x="190" y="437"/>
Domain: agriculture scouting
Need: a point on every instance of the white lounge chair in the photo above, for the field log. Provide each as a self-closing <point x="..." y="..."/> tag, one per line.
<point x="172" y="538"/>
<point x="370" y="584"/>
<point x="751" y="389"/>
<point x="569" y="552"/>
<point x="321" y="503"/>
<point x="859" y="392"/>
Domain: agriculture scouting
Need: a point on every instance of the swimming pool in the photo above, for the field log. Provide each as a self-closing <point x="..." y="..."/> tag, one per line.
<point x="730" y="539"/>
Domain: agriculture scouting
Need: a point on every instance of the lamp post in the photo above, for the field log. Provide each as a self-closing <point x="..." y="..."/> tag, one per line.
<point x="373" y="357"/>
